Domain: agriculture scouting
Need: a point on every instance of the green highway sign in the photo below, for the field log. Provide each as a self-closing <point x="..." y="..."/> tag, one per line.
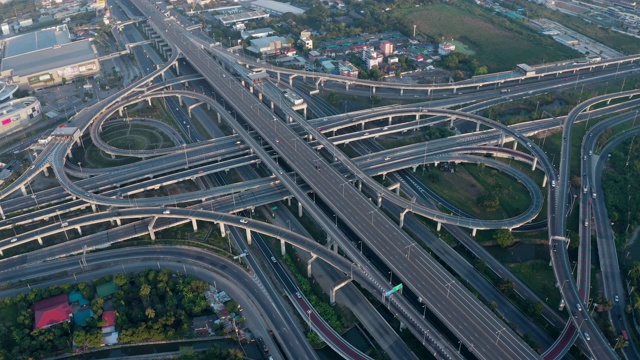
<point x="395" y="289"/>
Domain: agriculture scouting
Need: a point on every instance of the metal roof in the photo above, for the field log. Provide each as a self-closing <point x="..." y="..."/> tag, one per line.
<point x="36" y="40"/>
<point x="50" y="59"/>
<point x="277" y="7"/>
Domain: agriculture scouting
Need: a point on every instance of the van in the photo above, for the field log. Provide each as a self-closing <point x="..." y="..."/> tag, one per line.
<point x="65" y="224"/>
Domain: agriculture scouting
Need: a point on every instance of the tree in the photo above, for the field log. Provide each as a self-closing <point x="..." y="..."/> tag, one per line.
<point x="489" y="201"/>
<point x="506" y="286"/>
<point x="504" y="238"/>
<point x="150" y="313"/>
<point x="232" y="306"/>
<point x="120" y="279"/>
<point x="145" y="290"/>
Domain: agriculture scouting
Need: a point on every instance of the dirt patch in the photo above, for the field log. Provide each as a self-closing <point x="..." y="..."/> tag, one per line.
<point x="470" y="186"/>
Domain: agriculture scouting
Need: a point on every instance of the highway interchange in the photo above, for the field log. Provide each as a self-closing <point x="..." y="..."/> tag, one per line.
<point x="302" y="145"/>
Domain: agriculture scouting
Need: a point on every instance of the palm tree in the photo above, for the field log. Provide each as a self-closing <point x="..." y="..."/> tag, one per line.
<point x="150" y="313"/>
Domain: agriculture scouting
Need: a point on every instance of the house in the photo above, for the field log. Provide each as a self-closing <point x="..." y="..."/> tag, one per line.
<point x="51" y="311"/>
<point x="445" y="48"/>
<point x="106" y="289"/>
<point x="80" y="317"/>
<point x="348" y="69"/>
<point x="328" y="66"/>
<point x="25" y="22"/>
<point x="108" y="319"/>
<point x="289" y="51"/>
<point x="313" y="56"/>
<point x="257" y="33"/>
<point x="201" y="325"/>
<point x="267" y="45"/>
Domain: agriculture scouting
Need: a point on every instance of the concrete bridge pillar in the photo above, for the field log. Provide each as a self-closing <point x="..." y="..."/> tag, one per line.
<point x="384" y="176"/>
<point x="289" y="201"/>
<point x="477" y="127"/>
<point x="304" y="112"/>
<point x="260" y="96"/>
<point x="177" y="68"/>
<point x="46" y="171"/>
<point x="451" y="122"/>
<point x="515" y="145"/>
<point x="429" y="91"/>
<point x="208" y="106"/>
<point x="501" y="140"/>
<point x="278" y="74"/>
<point x="359" y="185"/>
<point x="189" y="112"/>
<point x="23" y="190"/>
<point x="194" y="223"/>
<point x="251" y="89"/>
<point x="272" y="106"/>
<point x="402" y="214"/>
<point x="439" y="226"/>
<point x="337" y="287"/>
<point x="149" y="101"/>
<point x="2" y="213"/>
<point x="94" y="208"/>
<point x="373" y="89"/>
<point x="283" y="249"/>
<point x="180" y="100"/>
<point x="390" y="119"/>
<point x="248" y="235"/>
<point x="39" y="240"/>
<point x="223" y="231"/>
<point x="362" y="124"/>
<point x="112" y="156"/>
<point x="313" y="257"/>
<point x="473" y="232"/>
<point x="414" y="167"/>
<point x="118" y="221"/>
<point x="219" y="118"/>
<point x="379" y="200"/>
<point x="417" y="116"/>
<point x="79" y="230"/>
<point x="455" y="90"/>
<point x="290" y="81"/>
<point x="535" y="162"/>
<point x="299" y="209"/>
<point x="163" y="76"/>
<point x="544" y="181"/>
<point x="120" y="112"/>
<point x="346" y="86"/>
<point x="401" y="91"/>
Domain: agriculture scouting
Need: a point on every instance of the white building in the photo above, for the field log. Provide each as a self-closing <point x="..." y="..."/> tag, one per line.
<point x="268" y="45"/>
<point x="6" y="30"/>
<point x="445" y="48"/>
<point x="305" y="38"/>
<point x="25" y="22"/>
<point x="371" y="58"/>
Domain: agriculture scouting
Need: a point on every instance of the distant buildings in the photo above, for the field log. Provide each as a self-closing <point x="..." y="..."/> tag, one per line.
<point x="446" y="48"/>
<point x="275" y="8"/>
<point x="386" y="48"/>
<point x="18" y="114"/>
<point x="371" y="58"/>
<point x="257" y="33"/>
<point x="234" y="18"/>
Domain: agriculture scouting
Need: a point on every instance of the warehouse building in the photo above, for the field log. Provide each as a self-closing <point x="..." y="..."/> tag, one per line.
<point x="276" y="8"/>
<point x="47" y="57"/>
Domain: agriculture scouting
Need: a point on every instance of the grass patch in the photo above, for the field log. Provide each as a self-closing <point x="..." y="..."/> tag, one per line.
<point x="8" y="314"/>
<point x="499" y="43"/>
<point x="538" y="276"/>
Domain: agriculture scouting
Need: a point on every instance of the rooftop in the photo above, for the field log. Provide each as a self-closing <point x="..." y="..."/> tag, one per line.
<point x="109" y="318"/>
<point x="51" y="311"/>
<point x="36" y="40"/>
<point x="51" y="58"/>
<point x="265" y="42"/>
<point x="277" y="6"/>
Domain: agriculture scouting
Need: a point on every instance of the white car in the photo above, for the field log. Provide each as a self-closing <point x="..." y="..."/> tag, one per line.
<point x="167" y="212"/>
<point x="586" y="336"/>
<point x="244" y="221"/>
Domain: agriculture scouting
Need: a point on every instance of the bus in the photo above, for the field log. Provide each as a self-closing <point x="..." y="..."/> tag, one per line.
<point x="625" y="337"/>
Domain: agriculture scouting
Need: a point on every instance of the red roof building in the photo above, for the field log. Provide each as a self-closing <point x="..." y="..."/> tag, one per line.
<point x="51" y="311"/>
<point x="109" y="318"/>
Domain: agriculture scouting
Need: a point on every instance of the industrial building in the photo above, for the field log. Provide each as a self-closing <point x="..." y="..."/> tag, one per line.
<point x="18" y="114"/>
<point x="267" y="45"/>
<point x="47" y="57"/>
<point x="276" y="8"/>
<point x="231" y="19"/>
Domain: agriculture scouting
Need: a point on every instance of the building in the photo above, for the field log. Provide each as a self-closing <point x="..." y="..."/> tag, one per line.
<point x="268" y="45"/>
<point x="567" y="40"/>
<point x="51" y="311"/>
<point x="19" y="114"/>
<point x="305" y="38"/>
<point x="371" y="58"/>
<point x="7" y="88"/>
<point x="445" y="48"/>
<point x="386" y="48"/>
<point x="106" y="289"/>
<point x="348" y="69"/>
<point x="6" y="29"/>
<point x="234" y="18"/>
<point x="328" y="66"/>
<point x="275" y="8"/>
<point x="25" y="22"/>
<point x="257" y="33"/>
<point x="48" y="57"/>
